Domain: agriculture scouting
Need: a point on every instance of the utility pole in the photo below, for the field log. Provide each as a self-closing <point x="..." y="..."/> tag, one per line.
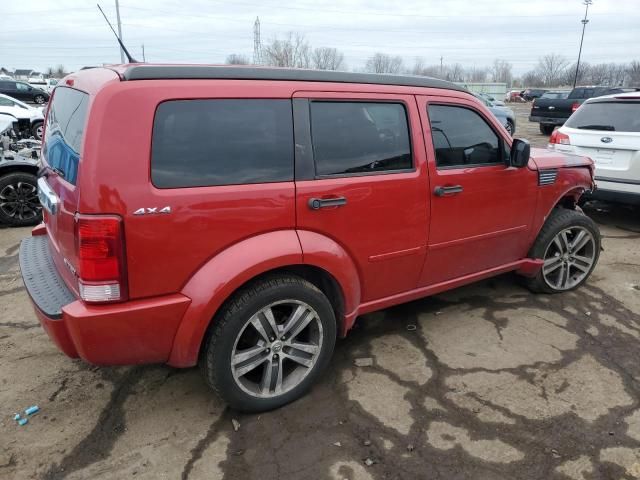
<point x="257" y="44"/>
<point x="440" y="65"/>
<point x="584" y="25"/>
<point x="119" y="30"/>
<point x="143" y="57"/>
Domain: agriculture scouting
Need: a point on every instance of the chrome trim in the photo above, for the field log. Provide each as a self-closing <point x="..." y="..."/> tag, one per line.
<point x="48" y="198"/>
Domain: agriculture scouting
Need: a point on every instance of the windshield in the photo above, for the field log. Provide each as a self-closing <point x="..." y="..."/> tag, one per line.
<point x="608" y="116"/>
<point x="64" y="131"/>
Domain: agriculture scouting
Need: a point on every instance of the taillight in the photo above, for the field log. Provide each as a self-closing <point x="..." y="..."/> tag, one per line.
<point x="574" y="107"/>
<point x="100" y="252"/>
<point x="557" y="137"/>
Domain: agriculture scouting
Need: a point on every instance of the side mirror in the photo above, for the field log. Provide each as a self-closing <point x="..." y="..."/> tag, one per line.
<point x="520" y="151"/>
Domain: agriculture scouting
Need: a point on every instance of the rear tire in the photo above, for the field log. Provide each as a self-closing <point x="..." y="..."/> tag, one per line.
<point x="19" y="204"/>
<point x="546" y="129"/>
<point x="249" y="358"/>
<point x="569" y="243"/>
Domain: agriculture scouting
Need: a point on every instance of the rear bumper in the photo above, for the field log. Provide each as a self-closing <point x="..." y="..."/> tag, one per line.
<point x="616" y="190"/>
<point x="547" y="120"/>
<point x="134" y="332"/>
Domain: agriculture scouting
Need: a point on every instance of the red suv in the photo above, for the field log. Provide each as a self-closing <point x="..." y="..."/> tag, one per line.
<point x="242" y="218"/>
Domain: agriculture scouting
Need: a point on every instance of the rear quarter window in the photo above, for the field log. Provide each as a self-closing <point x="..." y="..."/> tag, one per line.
<point x="222" y="142"/>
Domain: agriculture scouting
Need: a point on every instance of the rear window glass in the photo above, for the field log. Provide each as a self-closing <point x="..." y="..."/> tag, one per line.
<point x="222" y="142"/>
<point x="555" y="95"/>
<point x="359" y="137"/>
<point x="608" y="116"/>
<point x="66" y="120"/>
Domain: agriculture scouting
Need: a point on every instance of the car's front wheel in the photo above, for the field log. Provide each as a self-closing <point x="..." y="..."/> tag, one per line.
<point x="511" y="128"/>
<point x="19" y="204"/>
<point x="569" y="244"/>
<point x="37" y="130"/>
<point x="39" y="99"/>
<point x="269" y="343"/>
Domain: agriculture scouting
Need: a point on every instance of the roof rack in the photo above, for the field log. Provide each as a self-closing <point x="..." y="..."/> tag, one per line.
<point x="217" y="72"/>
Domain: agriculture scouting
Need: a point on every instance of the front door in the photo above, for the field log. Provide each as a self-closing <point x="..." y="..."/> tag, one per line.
<point x="366" y="185"/>
<point x="481" y="208"/>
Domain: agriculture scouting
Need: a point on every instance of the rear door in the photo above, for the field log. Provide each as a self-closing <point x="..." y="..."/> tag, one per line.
<point x="61" y="153"/>
<point x="481" y="209"/>
<point x="366" y="185"/>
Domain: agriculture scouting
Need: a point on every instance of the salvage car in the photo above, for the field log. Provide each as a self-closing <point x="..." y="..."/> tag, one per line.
<point x="607" y="129"/>
<point x="242" y="218"/>
<point x="19" y="204"/>
<point x="505" y="115"/>
<point x="33" y="116"/>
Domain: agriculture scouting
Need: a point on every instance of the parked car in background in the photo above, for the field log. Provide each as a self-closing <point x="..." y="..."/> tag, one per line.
<point x="505" y="115"/>
<point x="23" y="91"/>
<point x="513" y="96"/>
<point x="22" y="111"/>
<point x="607" y="129"/>
<point x="48" y="84"/>
<point x="552" y="112"/>
<point x="19" y="204"/>
<point x="243" y="218"/>
<point x="494" y="102"/>
<point x="532" y="93"/>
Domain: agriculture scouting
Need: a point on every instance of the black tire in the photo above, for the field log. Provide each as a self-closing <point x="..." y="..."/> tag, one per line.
<point x="546" y="129"/>
<point x="39" y="99"/>
<point x="230" y="322"/>
<point x="36" y="130"/>
<point x="511" y="128"/>
<point x="13" y="212"/>
<point x="559" y="220"/>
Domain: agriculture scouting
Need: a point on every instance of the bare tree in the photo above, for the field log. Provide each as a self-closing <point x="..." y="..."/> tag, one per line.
<point x="383" y="63"/>
<point x="532" y="79"/>
<point x="633" y="73"/>
<point x="584" y="73"/>
<point x="454" y="73"/>
<point x="237" y="59"/>
<point x="476" y="74"/>
<point x="419" y="68"/>
<point x="293" y="51"/>
<point x="551" y="69"/>
<point x="501" y="71"/>
<point x="325" y="58"/>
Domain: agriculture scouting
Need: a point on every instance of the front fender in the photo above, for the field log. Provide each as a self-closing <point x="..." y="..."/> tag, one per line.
<point x="217" y="279"/>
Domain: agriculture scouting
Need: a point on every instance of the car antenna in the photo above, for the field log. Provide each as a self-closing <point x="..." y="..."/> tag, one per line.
<point x="124" y="49"/>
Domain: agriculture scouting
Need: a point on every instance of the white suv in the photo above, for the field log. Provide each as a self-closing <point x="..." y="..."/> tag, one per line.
<point x="607" y="129"/>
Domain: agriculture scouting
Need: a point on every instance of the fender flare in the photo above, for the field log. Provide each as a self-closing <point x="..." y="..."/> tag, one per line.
<point x="219" y="277"/>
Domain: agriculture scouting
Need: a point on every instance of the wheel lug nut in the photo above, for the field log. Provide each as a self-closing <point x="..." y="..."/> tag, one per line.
<point x="275" y="355"/>
<point x="271" y="339"/>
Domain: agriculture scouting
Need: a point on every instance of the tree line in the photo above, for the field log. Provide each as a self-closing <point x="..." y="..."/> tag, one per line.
<point x="552" y="70"/>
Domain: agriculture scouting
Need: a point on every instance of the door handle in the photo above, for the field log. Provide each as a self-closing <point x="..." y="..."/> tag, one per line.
<point x="318" y="203"/>
<point x="444" y="191"/>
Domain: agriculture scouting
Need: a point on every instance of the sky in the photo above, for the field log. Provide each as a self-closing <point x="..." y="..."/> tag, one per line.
<point x="41" y="33"/>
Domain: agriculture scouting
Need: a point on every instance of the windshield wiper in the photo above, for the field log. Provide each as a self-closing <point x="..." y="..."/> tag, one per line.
<point x="609" y="128"/>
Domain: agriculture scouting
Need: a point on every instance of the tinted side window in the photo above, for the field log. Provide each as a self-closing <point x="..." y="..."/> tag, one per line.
<point x="222" y="142"/>
<point x="577" y="93"/>
<point x="462" y="137"/>
<point x="22" y="86"/>
<point x="359" y="137"/>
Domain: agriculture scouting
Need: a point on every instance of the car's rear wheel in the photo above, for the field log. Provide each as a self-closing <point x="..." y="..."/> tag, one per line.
<point x="269" y="343"/>
<point x="511" y="128"/>
<point x="569" y="244"/>
<point x="19" y="204"/>
<point x="39" y="99"/>
<point x="546" y="129"/>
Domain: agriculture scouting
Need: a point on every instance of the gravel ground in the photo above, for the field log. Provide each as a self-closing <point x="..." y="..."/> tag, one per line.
<point x="484" y="382"/>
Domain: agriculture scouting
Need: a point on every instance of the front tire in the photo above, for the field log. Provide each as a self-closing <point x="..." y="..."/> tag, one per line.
<point x="569" y="244"/>
<point x="269" y="343"/>
<point x="19" y="204"/>
<point x="511" y="128"/>
<point x="37" y="130"/>
<point x="39" y="99"/>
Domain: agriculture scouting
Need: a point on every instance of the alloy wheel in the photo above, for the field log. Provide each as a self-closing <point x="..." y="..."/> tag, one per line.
<point x="569" y="258"/>
<point x="277" y="348"/>
<point x="20" y="201"/>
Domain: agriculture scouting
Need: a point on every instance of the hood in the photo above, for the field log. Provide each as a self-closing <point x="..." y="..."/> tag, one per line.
<point x="544" y="158"/>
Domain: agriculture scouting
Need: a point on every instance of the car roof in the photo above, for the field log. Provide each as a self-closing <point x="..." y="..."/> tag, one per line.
<point x="615" y="96"/>
<point x="219" y="72"/>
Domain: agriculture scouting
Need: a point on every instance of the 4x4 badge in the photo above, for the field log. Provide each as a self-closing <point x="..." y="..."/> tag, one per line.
<point x="149" y="211"/>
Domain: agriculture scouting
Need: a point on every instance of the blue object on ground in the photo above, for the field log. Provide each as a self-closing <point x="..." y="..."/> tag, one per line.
<point x="23" y="421"/>
<point x="17" y="417"/>
<point x="32" y="410"/>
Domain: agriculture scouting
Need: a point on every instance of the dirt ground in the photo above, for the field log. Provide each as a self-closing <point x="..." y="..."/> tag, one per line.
<point x="484" y="382"/>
